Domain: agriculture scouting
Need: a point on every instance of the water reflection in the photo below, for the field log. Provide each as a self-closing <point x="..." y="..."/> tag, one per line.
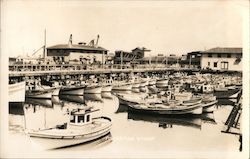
<point x="167" y="121"/>
<point x="39" y="114"/>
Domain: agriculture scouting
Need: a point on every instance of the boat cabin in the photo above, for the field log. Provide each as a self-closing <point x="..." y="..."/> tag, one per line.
<point x="81" y="116"/>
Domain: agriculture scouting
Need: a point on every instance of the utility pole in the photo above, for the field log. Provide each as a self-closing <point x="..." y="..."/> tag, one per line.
<point x="190" y="60"/>
<point x="121" y="58"/>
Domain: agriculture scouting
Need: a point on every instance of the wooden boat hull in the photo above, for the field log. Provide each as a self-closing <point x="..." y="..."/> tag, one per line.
<point x="17" y="92"/>
<point x="196" y="109"/>
<point x="107" y="88"/>
<point x="125" y="87"/>
<point x="152" y="82"/>
<point x="93" y="90"/>
<point x="135" y="85"/>
<point x="72" y="91"/>
<point x="56" y="92"/>
<point x="230" y="93"/>
<point x="44" y="94"/>
<point x="208" y="107"/>
<point x="143" y="83"/>
<point x="54" y="141"/>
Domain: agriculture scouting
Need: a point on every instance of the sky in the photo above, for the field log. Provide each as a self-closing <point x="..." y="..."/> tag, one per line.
<point x="164" y="27"/>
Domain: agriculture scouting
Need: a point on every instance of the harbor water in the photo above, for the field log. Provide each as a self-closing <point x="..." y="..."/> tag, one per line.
<point x="130" y="133"/>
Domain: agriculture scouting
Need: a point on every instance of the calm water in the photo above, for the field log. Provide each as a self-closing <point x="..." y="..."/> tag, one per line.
<point x="130" y="131"/>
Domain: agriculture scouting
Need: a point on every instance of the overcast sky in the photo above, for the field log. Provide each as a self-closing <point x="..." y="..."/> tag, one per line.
<point x="164" y="27"/>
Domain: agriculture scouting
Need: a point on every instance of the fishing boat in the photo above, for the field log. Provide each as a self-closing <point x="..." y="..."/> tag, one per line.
<point x="45" y="94"/>
<point x="122" y="87"/>
<point x="17" y="92"/>
<point x="107" y="88"/>
<point x="107" y="95"/>
<point x="34" y="89"/>
<point x="106" y="85"/>
<point x="144" y="83"/>
<point x="152" y="82"/>
<point x="52" y="84"/>
<point x="227" y="93"/>
<point x="93" y="89"/>
<point x="72" y="90"/>
<point x="81" y="128"/>
<point x="161" y="83"/>
<point x="127" y="99"/>
<point x="167" y="108"/>
<point x="136" y="85"/>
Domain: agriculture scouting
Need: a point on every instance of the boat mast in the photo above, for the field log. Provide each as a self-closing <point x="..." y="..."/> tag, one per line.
<point x="44" y="49"/>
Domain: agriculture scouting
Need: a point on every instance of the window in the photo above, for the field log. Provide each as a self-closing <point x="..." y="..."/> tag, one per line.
<point x="224" y="65"/>
<point x="219" y="55"/>
<point x="210" y="55"/>
<point x="208" y="64"/>
<point x="228" y="55"/>
<point x="215" y="64"/>
<point x="80" y="119"/>
<point x="87" y="118"/>
<point x="72" y="119"/>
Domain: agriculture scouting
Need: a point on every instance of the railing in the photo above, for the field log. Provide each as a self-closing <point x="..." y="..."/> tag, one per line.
<point x="38" y="69"/>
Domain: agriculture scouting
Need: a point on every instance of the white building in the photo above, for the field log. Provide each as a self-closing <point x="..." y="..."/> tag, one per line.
<point x="222" y="59"/>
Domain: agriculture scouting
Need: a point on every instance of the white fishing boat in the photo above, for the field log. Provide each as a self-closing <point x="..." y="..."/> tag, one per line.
<point x="93" y="89"/>
<point x="152" y="82"/>
<point x="45" y="93"/>
<point x="107" y="88"/>
<point x="81" y="128"/>
<point x="122" y="87"/>
<point x="72" y="90"/>
<point x="17" y="92"/>
<point x="172" y="108"/>
<point x="161" y="83"/>
<point x="143" y="83"/>
<point x="136" y="85"/>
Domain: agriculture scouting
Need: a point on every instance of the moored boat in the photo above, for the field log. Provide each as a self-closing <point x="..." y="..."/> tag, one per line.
<point x="161" y="83"/>
<point x="46" y="94"/>
<point x="107" y="88"/>
<point x="72" y="90"/>
<point x="17" y="92"/>
<point x="122" y="87"/>
<point x="81" y="128"/>
<point x="167" y="108"/>
<point x="93" y="89"/>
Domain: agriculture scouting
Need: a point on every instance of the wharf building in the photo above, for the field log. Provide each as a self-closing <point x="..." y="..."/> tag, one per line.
<point x="221" y="59"/>
<point x="80" y="53"/>
<point x="125" y="57"/>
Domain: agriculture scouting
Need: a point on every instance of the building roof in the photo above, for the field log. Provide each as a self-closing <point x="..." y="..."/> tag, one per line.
<point x="76" y="46"/>
<point x="223" y="50"/>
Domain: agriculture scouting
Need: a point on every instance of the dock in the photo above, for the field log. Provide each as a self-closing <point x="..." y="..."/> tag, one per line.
<point x="232" y="124"/>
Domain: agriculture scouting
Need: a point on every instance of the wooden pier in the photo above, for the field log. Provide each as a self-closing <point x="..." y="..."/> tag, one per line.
<point x="66" y="69"/>
<point x="232" y="125"/>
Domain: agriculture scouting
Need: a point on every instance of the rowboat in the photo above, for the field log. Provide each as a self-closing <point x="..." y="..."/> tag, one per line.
<point x="81" y="128"/>
<point x="17" y="92"/>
